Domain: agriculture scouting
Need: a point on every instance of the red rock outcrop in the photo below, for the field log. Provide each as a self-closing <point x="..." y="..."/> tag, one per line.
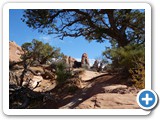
<point x="15" y="52"/>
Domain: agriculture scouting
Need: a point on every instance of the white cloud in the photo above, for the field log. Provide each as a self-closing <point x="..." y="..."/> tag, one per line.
<point x="51" y="39"/>
<point x="45" y="38"/>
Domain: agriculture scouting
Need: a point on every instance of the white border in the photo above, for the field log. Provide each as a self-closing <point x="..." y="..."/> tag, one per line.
<point x="8" y="6"/>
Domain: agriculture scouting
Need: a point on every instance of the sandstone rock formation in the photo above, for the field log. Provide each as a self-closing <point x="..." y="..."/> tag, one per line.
<point x="95" y="90"/>
<point x="85" y="60"/>
<point x="95" y="65"/>
<point x="15" y="52"/>
<point x="73" y="63"/>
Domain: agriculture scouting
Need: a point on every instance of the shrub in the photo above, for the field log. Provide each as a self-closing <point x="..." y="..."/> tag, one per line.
<point x="61" y="71"/>
<point x="129" y="61"/>
<point x="138" y="73"/>
<point x="123" y="57"/>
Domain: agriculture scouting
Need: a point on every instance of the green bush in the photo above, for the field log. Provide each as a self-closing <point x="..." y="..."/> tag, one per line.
<point x="123" y="57"/>
<point x="138" y="73"/>
<point x="129" y="61"/>
<point x="62" y="73"/>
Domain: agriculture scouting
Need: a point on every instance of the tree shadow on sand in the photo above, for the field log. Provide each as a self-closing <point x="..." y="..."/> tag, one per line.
<point x="94" y="87"/>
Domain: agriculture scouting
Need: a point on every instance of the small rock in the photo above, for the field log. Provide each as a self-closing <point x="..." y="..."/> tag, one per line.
<point x="35" y="81"/>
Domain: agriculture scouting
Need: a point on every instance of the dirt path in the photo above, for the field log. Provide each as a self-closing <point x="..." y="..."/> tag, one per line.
<point x="88" y="91"/>
<point x="101" y="93"/>
<point x="88" y="75"/>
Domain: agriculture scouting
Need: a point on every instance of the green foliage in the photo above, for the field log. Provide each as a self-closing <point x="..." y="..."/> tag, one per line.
<point x="138" y="73"/>
<point x="130" y="61"/>
<point x="120" y="25"/>
<point x="62" y="73"/>
<point x="123" y="28"/>
<point x="39" y="51"/>
<point x="123" y="57"/>
<point x="72" y="88"/>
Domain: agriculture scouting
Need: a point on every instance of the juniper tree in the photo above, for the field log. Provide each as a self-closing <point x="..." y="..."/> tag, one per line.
<point x="124" y="26"/>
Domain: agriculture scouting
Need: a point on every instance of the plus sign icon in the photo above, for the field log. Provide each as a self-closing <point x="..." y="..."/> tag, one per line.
<point x="147" y="99"/>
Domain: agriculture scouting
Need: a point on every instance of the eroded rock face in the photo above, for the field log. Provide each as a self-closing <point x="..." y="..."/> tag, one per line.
<point x="73" y="63"/>
<point x="95" y="65"/>
<point x="85" y="60"/>
<point x="15" y="52"/>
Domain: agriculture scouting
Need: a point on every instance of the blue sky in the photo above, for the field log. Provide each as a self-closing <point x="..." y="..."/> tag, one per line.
<point x="21" y="33"/>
